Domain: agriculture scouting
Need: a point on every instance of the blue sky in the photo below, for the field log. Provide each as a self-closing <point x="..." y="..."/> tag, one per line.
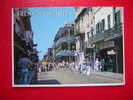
<point x="45" y="25"/>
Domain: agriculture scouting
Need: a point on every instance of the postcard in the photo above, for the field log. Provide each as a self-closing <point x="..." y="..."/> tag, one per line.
<point x="68" y="46"/>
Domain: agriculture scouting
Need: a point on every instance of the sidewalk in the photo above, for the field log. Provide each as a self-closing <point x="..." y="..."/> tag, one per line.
<point x="117" y="76"/>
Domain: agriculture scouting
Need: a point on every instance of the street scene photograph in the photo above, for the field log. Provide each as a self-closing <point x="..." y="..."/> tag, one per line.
<point x="68" y="46"/>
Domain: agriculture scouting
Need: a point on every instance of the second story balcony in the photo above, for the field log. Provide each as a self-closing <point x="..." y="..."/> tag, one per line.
<point x="79" y="32"/>
<point x="109" y="34"/>
<point x="66" y="53"/>
<point x="67" y="39"/>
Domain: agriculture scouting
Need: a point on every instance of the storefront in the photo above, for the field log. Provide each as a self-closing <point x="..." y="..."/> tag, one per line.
<point x="109" y="56"/>
<point x="112" y="52"/>
<point x="105" y="50"/>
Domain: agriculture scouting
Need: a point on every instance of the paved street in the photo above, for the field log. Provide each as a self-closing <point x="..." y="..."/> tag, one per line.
<point x="69" y="77"/>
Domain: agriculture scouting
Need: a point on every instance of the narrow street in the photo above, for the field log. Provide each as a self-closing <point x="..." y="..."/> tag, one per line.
<point x="69" y="77"/>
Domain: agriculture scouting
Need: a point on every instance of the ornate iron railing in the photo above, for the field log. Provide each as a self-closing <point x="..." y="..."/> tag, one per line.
<point x="111" y="33"/>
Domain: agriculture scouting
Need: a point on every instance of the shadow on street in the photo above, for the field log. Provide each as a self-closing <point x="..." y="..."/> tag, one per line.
<point x="52" y="81"/>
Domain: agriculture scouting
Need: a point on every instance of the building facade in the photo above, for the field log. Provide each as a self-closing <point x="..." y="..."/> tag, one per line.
<point x="64" y="43"/>
<point x="84" y="27"/>
<point x="23" y="37"/>
<point x="99" y="34"/>
<point x="107" y="37"/>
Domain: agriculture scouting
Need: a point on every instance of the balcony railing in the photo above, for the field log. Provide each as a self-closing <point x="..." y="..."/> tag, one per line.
<point x="79" y="32"/>
<point x="65" y="39"/>
<point x="112" y="33"/>
<point x="66" y="53"/>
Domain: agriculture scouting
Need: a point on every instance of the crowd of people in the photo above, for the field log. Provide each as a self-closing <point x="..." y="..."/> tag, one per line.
<point x="27" y="68"/>
<point x="84" y="67"/>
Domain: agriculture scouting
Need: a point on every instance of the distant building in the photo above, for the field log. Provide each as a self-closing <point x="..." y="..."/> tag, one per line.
<point x="50" y="54"/>
<point x="64" y="43"/>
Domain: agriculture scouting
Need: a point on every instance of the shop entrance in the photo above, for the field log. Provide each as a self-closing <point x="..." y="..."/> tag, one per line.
<point x="110" y="59"/>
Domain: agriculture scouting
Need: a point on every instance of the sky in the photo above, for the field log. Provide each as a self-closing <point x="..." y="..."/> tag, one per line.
<point x="45" y="24"/>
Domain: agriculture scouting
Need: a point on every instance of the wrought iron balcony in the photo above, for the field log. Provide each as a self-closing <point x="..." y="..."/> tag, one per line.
<point x="66" y="53"/>
<point x="79" y="32"/>
<point x="109" y="34"/>
<point x="67" y="39"/>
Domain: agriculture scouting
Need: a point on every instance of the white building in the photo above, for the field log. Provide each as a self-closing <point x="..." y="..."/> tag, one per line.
<point x="84" y="27"/>
<point x="107" y="37"/>
<point x="99" y="34"/>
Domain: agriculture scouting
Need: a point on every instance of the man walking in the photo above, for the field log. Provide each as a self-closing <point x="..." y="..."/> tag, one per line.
<point x="23" y="64"/>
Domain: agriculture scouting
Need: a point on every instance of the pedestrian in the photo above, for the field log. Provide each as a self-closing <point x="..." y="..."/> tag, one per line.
<point x="67" y="65"/>
<point x="63" y="65"/>
<point x="96" y="65"/>
<point x="50" y="67"/>
<point x="102" y="64"/>
<point x="39" y="68"/>
<point x="111" y="65"/>
<point x="72" y="66"/>
<point x="88" y="70"/>
<point x="23" y="64"/>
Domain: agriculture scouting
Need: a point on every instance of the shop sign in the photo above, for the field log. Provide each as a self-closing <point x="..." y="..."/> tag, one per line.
<point x="111" y="52"/>
<point x="109" y="44"/>
<point x="106" y="44"/>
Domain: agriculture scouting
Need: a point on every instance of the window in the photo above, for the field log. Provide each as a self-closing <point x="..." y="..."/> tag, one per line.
<point x="117" y="18"/>
<point x="102" y="25"/>
<point x="71" y="32"/>
<point x="88" y="34"/>
<point x="91" y="31"/>
<point x="82" y="19"/>
<point x="97" y="27"/>
<point x="91" y="21"/>
<point x="108" y="21"/>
